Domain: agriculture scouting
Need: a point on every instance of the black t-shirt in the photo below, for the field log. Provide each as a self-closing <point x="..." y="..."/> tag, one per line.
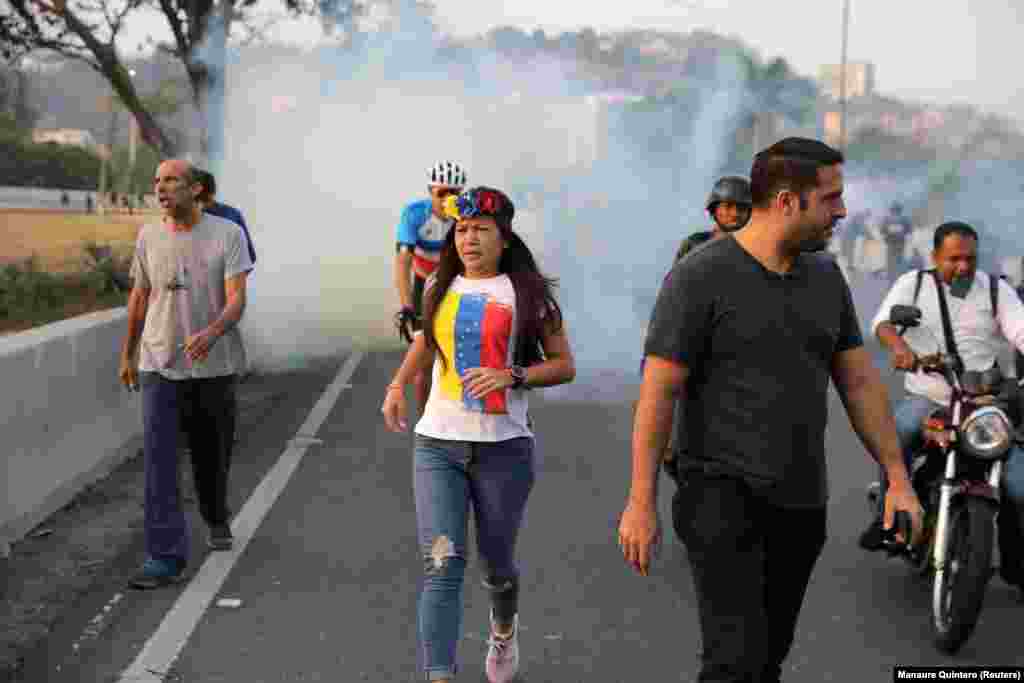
<point x="759" y="347"/>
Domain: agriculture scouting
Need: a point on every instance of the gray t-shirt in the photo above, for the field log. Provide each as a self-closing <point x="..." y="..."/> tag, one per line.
<point x="185" y="272"/>
<point x="760" y="348"/>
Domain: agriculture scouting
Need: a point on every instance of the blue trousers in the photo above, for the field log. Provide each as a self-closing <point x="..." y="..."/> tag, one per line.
<point x="204" y="410"/>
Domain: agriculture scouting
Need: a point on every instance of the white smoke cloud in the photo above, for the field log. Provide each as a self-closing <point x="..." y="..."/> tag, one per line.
<point x="324" y="148"/>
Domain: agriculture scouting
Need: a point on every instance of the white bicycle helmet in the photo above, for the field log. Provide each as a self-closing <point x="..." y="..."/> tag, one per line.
<point x="447" y="173"/>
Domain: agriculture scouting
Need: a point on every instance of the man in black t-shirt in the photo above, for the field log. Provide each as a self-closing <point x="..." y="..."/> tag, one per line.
<point x="748" y="331"/>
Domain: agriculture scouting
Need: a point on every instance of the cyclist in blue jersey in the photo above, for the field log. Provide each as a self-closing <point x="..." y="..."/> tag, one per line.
<point x="421" y="234"/>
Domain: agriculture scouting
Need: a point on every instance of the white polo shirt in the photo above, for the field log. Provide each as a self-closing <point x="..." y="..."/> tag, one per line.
<point x="980" y="338"/>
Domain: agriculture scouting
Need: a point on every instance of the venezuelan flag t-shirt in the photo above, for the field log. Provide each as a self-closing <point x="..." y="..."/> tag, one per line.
<point x="475" y="328"/>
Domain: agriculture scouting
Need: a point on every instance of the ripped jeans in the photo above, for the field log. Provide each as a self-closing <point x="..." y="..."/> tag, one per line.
<point x="448" y="476"/>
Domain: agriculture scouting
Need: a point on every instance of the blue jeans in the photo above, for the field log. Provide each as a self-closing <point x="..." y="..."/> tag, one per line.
<point x="496" y="478"/>
<point x="909" y="414"/>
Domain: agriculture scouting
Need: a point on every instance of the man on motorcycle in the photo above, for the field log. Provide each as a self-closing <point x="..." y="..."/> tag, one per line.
<point x="979" y="333"/>
<point x="729" y="207"/>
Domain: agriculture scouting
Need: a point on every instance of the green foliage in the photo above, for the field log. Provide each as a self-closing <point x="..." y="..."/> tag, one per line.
<point x="137" y="180"/>
<point x="23" y="163"/>
<point x="31" y="295"/>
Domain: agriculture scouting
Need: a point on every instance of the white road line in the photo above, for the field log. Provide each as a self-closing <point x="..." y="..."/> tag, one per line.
<point x="162" y="649"/>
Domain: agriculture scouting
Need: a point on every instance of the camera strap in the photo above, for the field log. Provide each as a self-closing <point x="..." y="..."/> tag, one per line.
<point x="947" y="326"/>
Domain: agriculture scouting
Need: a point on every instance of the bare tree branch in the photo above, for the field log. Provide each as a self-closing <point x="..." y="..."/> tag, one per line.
<point x="171" y="14"/>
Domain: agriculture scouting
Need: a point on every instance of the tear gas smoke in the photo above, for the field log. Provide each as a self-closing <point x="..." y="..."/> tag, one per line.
<point x="325" y="147"/>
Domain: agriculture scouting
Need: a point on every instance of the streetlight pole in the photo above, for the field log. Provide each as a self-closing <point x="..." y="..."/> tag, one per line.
<point x="842" y="76"/>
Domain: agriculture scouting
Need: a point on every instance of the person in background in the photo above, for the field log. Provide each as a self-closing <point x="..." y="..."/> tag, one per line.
<point x="728" y="206"/>
<point x="854" y="229"/>
<point x="894" y="229"/>
<point x="208" y="200"/>
<point x="918" y="254"/>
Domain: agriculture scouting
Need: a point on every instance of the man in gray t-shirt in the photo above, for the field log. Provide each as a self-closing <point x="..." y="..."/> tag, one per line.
<point x="184" y="350"/>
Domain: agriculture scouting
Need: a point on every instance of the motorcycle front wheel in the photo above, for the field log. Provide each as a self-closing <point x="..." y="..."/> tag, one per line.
<point x="959" y="591"/>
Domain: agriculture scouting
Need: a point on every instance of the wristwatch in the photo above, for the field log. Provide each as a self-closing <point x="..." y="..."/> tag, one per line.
<point x="518" y="373"/>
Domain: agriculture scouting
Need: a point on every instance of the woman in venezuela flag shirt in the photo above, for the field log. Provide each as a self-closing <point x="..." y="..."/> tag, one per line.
<point x="491" y="330"/>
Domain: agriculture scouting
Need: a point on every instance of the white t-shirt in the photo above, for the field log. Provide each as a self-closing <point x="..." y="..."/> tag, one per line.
<point x="185" y="273"/>
<point x="980" y="338"/>
<point x="474" y="327"/>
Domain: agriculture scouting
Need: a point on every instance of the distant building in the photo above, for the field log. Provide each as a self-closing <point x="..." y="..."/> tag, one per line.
<point x="64" y="136"/>
<point x="860" y="79"/>
<point x="832" y="125"/>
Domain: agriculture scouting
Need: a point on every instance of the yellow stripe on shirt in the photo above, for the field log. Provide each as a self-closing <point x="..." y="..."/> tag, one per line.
<point x="444" y="332"/>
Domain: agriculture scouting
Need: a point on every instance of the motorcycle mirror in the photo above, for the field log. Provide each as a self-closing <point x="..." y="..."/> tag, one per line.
<point x="905" y="316"/>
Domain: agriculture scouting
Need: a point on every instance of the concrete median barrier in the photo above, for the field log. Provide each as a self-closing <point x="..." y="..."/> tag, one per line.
<point x="67" y="421"/>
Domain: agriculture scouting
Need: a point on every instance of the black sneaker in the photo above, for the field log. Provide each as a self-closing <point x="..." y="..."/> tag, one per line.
<point x="873" y="538"/>
<point x="220" y="537"/>
<point x="1012" y="575"/>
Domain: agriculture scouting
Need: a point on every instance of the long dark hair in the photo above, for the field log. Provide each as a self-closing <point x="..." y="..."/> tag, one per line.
<point x="536" y="308"/>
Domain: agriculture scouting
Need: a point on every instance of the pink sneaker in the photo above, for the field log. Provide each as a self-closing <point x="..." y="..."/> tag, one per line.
<point x="502" y="661"/>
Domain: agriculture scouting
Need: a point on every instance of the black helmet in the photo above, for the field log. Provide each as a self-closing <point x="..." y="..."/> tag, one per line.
<point x="735" y="190"/>
<point x="731" y="188"/>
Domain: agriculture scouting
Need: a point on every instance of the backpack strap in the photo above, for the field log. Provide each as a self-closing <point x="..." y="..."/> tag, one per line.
<point x="947" y="326"/>
<point x="917" y="287"/>
<point x="993" y="292"/>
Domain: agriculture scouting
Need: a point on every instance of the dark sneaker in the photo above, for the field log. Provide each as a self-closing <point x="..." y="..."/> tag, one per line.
<point x="873" y="538"/>
<point x="1012" y="575"/>
<point x="220" y="537"/>
<point x="156" y="573"/>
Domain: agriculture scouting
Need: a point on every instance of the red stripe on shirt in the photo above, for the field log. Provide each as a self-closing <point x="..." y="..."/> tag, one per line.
<point x="496" y="330"/>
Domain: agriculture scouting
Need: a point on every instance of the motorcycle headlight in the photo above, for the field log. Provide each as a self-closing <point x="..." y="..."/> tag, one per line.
<point x="986" y="433"/>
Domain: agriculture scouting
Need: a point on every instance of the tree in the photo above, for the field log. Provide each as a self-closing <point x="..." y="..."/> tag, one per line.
<point x="14" y="87"/>
<point x="89" y="30"/>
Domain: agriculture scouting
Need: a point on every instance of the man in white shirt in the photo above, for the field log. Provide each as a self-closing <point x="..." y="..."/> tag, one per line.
<point x="980" y="336"/>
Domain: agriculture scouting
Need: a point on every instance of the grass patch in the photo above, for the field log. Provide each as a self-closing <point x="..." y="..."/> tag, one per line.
<point x="55" y="266"/>
<point x="31" y="296"/>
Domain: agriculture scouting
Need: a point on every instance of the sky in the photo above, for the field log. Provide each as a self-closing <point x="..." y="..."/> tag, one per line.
<point x="955" y="51"/>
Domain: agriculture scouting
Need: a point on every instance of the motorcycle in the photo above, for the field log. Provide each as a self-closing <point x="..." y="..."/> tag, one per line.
<point x="957" y="475"/>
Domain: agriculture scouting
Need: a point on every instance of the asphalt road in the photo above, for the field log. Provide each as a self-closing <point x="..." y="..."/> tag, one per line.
<point x="329" y="579"/>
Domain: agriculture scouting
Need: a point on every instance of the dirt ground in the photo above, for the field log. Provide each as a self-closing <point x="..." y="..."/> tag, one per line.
<point x="57" y="237"/>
